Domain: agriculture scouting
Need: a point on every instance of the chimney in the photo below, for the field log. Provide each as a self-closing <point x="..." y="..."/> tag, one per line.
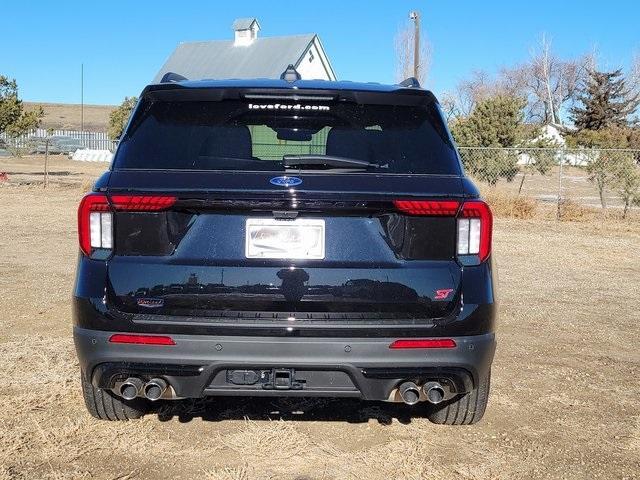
<point x="246" y="31"/>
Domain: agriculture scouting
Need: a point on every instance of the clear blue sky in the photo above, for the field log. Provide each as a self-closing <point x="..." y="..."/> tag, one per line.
<point x="123" y="43"/>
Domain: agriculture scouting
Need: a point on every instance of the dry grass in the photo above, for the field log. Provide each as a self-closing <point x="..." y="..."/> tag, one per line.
<point x="67" y="116"/>
<point x="568" y="210"/>
<point x="564" y="401"/>
<point x="87" y="185"/>
<point x="507" y="205"/>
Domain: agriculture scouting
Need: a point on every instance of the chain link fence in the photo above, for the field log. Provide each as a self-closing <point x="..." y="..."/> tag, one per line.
<point x="606" y="179"/>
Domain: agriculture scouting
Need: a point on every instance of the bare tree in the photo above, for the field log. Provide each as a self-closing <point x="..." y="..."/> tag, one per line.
<point x="449" y="106"/>
<point x="634" y="74"/>
<point x="634" y="80"/>
<point x="549" y="83"/>
<point x="461" y="102"/>
<point x="404" y="47"/>
<point x="542" y="64"/>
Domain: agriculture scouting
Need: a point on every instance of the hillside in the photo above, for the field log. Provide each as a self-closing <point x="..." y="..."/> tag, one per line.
<point x="67" y="116"/>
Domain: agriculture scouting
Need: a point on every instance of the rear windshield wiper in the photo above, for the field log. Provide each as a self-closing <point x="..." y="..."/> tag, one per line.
<point x="294" y="161"/>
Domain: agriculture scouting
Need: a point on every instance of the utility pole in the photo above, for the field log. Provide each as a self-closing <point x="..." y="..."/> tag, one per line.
<point x="415" y="16"/>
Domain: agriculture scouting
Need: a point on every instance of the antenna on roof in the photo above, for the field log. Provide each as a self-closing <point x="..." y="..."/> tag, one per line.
<point x="290" y="74"/>
<point x="171" y="77"/>
<point x="411" y="82"/>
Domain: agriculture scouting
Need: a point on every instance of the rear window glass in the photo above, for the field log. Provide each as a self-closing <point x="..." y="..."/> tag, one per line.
<point x="258" y="135"/>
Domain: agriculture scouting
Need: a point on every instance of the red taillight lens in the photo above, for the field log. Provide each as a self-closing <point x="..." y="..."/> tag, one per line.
<point x="92" y="203"/>
<point x="141" y="339"/>
<point x="142" y="203"/>
<point x="433" y="208"/>
<point x="424" y="343"/>
<point x="95" y="218"/>
<point x="475" y="225"/>
<point x="475" y="222"/>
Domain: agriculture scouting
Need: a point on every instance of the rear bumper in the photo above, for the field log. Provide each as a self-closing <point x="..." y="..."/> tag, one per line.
<point x="364" y="368"/>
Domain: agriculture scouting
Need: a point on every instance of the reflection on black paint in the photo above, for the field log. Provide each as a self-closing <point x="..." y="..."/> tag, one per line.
<point x="293" y="283"/>
<point x="293" y="290"/>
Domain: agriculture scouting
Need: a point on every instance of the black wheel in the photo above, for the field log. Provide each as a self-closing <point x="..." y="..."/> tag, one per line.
<point x="104" y="405"/>
<point x="464" y="410"/>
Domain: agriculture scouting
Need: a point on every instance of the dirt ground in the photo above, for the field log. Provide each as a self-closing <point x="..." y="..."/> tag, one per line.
<point x="565" y="400"/>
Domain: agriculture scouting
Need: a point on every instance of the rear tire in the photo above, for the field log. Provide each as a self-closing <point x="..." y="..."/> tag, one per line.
<point x="464" y="410"/>
<point x="104" y="405"/>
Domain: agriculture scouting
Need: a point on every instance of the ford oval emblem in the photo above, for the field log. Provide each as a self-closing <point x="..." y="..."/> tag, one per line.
<point x="286" y="181"/>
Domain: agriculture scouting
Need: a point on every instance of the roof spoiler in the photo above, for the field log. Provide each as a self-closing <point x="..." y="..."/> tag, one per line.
<point x="411" y="82"/>
<point x="171" y="77"/>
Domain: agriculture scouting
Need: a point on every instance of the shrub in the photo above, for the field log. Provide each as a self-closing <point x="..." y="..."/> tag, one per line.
<point x="511" y="206"/>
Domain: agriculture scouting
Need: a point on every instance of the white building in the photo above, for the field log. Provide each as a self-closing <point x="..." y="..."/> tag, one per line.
<point x="248" y="55"/>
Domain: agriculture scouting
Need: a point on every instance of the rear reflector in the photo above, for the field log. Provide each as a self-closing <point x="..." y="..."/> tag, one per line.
<point x="433" y="208"/>
<point x="424" y="343"/>
<point x="141" y="339"/>
<point x="142" y="203"/>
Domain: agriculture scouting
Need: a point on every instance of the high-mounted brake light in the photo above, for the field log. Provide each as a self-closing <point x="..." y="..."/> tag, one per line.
<point x="475" y="224"/>
<point x="433" y="208"/>
<point x="94" y="223"/>
<point x="141" y="339"/>
<point x="423" y="343"/>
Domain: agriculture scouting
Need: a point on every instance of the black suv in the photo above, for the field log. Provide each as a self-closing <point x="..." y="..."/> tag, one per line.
<point x="285" y="238"/>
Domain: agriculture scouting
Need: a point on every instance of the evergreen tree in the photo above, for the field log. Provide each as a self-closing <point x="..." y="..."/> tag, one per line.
<point x="495" y="122"/>
<point x="13" y="118"/>
<point x="606" y="102"/>
<point x="120" y="116"/>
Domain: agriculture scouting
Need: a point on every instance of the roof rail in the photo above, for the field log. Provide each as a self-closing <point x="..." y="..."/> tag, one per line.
<point x="171" y="77"/>
<point x="411" y="82"/>
<point x="290" y="74"/>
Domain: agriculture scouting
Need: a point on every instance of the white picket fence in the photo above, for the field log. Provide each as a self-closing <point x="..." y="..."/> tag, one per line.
<point x="90" y="140"/>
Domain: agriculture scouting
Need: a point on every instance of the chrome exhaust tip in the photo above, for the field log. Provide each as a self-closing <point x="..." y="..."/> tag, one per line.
<point x="155" y="388"/>
<point x="131" y="388"/>
<point x="434" y="392"/>
<point x="410" y="393"/>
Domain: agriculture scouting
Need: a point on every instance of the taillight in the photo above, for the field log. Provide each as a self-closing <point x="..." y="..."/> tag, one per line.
<point x="95" y="216"/>
<point x="431" y="208"/>
<point x="142" y="203"/>
<point x="95" y="223"/>
<point x="475" y="224"/>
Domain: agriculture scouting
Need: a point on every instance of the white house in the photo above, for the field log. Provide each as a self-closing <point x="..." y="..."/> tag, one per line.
<point x="553" y="134"/>
<point x="248" y="55"/>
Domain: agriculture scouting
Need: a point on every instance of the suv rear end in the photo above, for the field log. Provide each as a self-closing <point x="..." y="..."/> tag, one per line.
<point x="285" y="238"/>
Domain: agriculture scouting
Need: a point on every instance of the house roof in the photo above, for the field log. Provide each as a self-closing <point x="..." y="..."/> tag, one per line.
<point x="264" y="58"/>
<point x="244" y="23"/>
